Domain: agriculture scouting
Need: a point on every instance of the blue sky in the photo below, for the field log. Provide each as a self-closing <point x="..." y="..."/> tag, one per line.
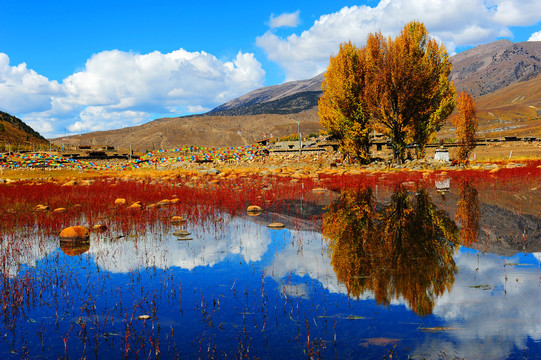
<point x="79" y="66"/>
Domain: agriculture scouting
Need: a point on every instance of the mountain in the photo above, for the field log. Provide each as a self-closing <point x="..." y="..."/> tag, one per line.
<point x="490" y="67"/>
<point x="15" y="132"/>
<point x="202" y="130"/>
<point x="514" y="110"/>
<point x="502" y="76"/>
<point x="287" y="98"/>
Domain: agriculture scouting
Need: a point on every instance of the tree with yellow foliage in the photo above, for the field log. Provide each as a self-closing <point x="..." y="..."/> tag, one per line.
<point x="400" y="86"/>
<point x="409" y="93"/>
<point x="341" y="108"/>
<point x="466" y="125"/>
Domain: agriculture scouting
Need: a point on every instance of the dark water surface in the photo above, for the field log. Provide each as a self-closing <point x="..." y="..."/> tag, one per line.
<point x="403" y="272"/>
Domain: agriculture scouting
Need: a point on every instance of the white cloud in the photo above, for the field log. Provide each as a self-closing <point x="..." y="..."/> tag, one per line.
<point x="536" y="36"/>
<point x="117" y="89"/>
<point x="284" y="20"/>
<point x="453" y="22"/>
<point x="23" y="90"/>
<point x="96" y="118"/>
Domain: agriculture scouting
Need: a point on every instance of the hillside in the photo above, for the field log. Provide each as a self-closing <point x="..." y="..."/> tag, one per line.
<point x="502" y="76"/>
<point x="15" y="132"/>
<point x="220" y="131"/>
<point x="514" y="110"/>
<point x="283" y="96"/>
<point x="490" y="67"/>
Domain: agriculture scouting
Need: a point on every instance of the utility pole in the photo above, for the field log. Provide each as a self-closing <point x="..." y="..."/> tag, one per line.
<point x="300" y="143"/>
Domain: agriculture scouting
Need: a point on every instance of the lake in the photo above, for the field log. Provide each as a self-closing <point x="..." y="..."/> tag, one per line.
<point x="396" y="265"/>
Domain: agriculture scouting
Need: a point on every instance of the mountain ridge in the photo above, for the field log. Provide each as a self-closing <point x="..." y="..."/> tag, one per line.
<point x="485" y="71"/>
<point x="14" y="131"/>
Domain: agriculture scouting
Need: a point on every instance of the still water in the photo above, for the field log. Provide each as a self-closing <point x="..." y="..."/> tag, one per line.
<point x="433" y="270"/>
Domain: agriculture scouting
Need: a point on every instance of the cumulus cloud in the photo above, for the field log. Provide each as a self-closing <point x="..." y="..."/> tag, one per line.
<point x="284" y="20"/>
<point x="117" y="89"/>
<point x="453" y="22"/>
<point x="536" y="36"/>
<point x="24" y="90"/>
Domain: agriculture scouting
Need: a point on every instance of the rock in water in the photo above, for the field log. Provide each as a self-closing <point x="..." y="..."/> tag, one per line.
<point x="75" y="232"/>
<point x="254" y="210"/>
<point x="181" y="233"/>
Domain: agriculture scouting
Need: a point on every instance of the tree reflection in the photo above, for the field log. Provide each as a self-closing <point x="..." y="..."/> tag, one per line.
<point x="350" y="226"/>
<point x="404" y="249"/>
<point x="468" y="213"/>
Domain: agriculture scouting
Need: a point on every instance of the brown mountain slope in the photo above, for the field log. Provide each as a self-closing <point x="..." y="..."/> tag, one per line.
<point x="15" y="132"/>
<point x="490" y="67"/>
<point x="503" y="71"/>
<point x="511" y="111"/>
<point x="204" y="130"/>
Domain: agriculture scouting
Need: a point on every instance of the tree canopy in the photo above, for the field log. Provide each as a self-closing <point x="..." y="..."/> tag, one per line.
<point x="465" y="123"/>
<point x="400" y="86"/>
<point x="341" y="108"/>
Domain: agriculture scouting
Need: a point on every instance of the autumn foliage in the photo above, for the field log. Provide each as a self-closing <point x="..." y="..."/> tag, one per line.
<point x="400" y="86"/>
<point x="466" y="125"/>
<point x="341" y="107"/>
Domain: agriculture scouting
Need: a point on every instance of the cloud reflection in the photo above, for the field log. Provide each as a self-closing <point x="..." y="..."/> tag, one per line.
<point x="207" y="248"/>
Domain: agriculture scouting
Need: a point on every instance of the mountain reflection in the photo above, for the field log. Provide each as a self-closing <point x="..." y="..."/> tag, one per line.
<point x="400" y="250"/>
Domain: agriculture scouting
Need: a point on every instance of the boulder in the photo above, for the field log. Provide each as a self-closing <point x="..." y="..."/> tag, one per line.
<point x="120" y="201"/>
<point x="254" y="209"/>
<point x="75" y="232"/>
<point x="181" y="233"/>
<point x="135" y="206"/>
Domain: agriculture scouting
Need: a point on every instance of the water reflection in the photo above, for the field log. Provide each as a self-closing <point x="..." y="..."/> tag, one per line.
<point x="240" y="288"/>
<point x="164" y="250"/>
<point x="74" y="247"/>
<point x="468" y="213"/>
<point x="401" y="250"/>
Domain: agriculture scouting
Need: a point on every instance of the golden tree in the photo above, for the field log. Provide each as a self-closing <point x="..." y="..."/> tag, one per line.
<point x="408" y="90"/>
<point x="465" y="123"/>
<point x="340" y="108"/>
